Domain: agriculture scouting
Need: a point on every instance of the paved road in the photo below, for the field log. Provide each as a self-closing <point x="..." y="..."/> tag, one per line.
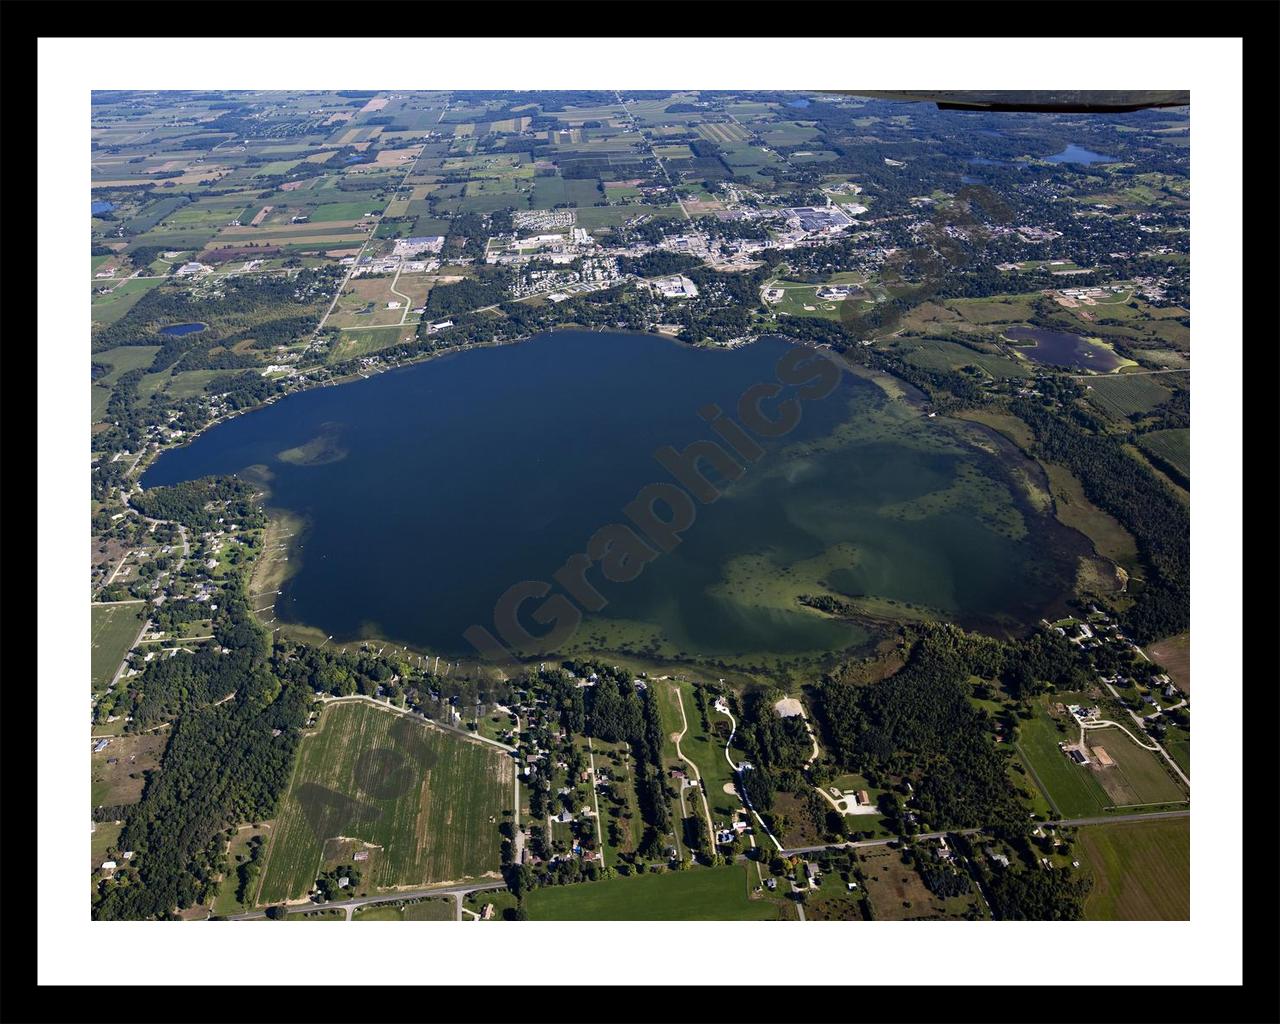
<point x="1109" y="819"/>
<point x="457" y="891"/>
<point x="1069" y="822"/>
<point x="595" y="799"/>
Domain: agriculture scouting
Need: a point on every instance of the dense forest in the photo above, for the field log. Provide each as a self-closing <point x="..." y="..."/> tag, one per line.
<point x="200" y="504"/>
<point x="176" y="831"/>
<point x="918" y="724"/>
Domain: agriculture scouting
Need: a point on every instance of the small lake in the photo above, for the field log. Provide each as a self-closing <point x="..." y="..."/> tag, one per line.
<point x="802" y="102"/>
<point x="1074" y="154"/>
<point x="178" y="330"/>
<point x="429" y="490"/>
<point x="1058" y="348"/>
<point x="982" y="161"/>
<point x="102" y="206"/>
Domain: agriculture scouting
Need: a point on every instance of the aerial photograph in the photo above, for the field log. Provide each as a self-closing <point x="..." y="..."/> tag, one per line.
<point x="619" y="505"/>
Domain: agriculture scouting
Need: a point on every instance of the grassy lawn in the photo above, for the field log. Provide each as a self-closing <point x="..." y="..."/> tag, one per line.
<point x="621" y="803"/>
<point x="706" y="750"/>
<point x="1141" y="870"/>
<point x="501" y="899"/>
<point x="699" y="894"/>
<point x="428" y="801"/>
<point x="113" y="628"/>
<point x="1178" y="742"/>
<point x="419" y="910"/>
<point x="105" y="834"/>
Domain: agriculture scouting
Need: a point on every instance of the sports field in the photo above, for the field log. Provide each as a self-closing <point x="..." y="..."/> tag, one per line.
<point x="1141" y="870"/>
<point x="699" y="894"/>
<point x="426" y="803"/>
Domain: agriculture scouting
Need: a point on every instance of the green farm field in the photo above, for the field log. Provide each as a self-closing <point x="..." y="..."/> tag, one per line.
<point x="1072" y="789"/>
<point x="113" y="628"/>
<point x="699" y="894"/>
<point x="1170" y="446"/>
<point x="1125" y="394"/>
<point x="427" y="801"/>
<point x="107" y="308"/>
<point x="934" y="354"/>
<point x="1141" y="870"/>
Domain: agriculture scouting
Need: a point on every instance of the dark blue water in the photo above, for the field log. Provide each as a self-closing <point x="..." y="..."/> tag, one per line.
<point x="430" y="490"/>
<point x="178" y="330"/>
<point x="1074" y="154"/>
<point x="102" y="206"/>
<point x="1060" y="348"/>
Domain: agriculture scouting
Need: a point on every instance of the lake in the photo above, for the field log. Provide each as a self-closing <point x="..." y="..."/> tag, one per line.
<point x="178" y="330"/>
<point x="101" y="206"/>
<point x="1059" y="348"/>
<point x="428" y="490"/>
<point x="1074" y="154"/>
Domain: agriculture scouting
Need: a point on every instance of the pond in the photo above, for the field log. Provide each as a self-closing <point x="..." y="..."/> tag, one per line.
<point x="1074" y="154"/>
<point x="102" y="206"/>
<point x="429" y="490"/>
<point x="1059" y="348"/>
<point x="178" y="330"/>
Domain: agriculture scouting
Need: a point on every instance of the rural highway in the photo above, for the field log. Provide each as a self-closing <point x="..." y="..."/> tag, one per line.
<point x="1068" y="822"/>
<point x="459" y="891"/>
<point x="413" y="894"/>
